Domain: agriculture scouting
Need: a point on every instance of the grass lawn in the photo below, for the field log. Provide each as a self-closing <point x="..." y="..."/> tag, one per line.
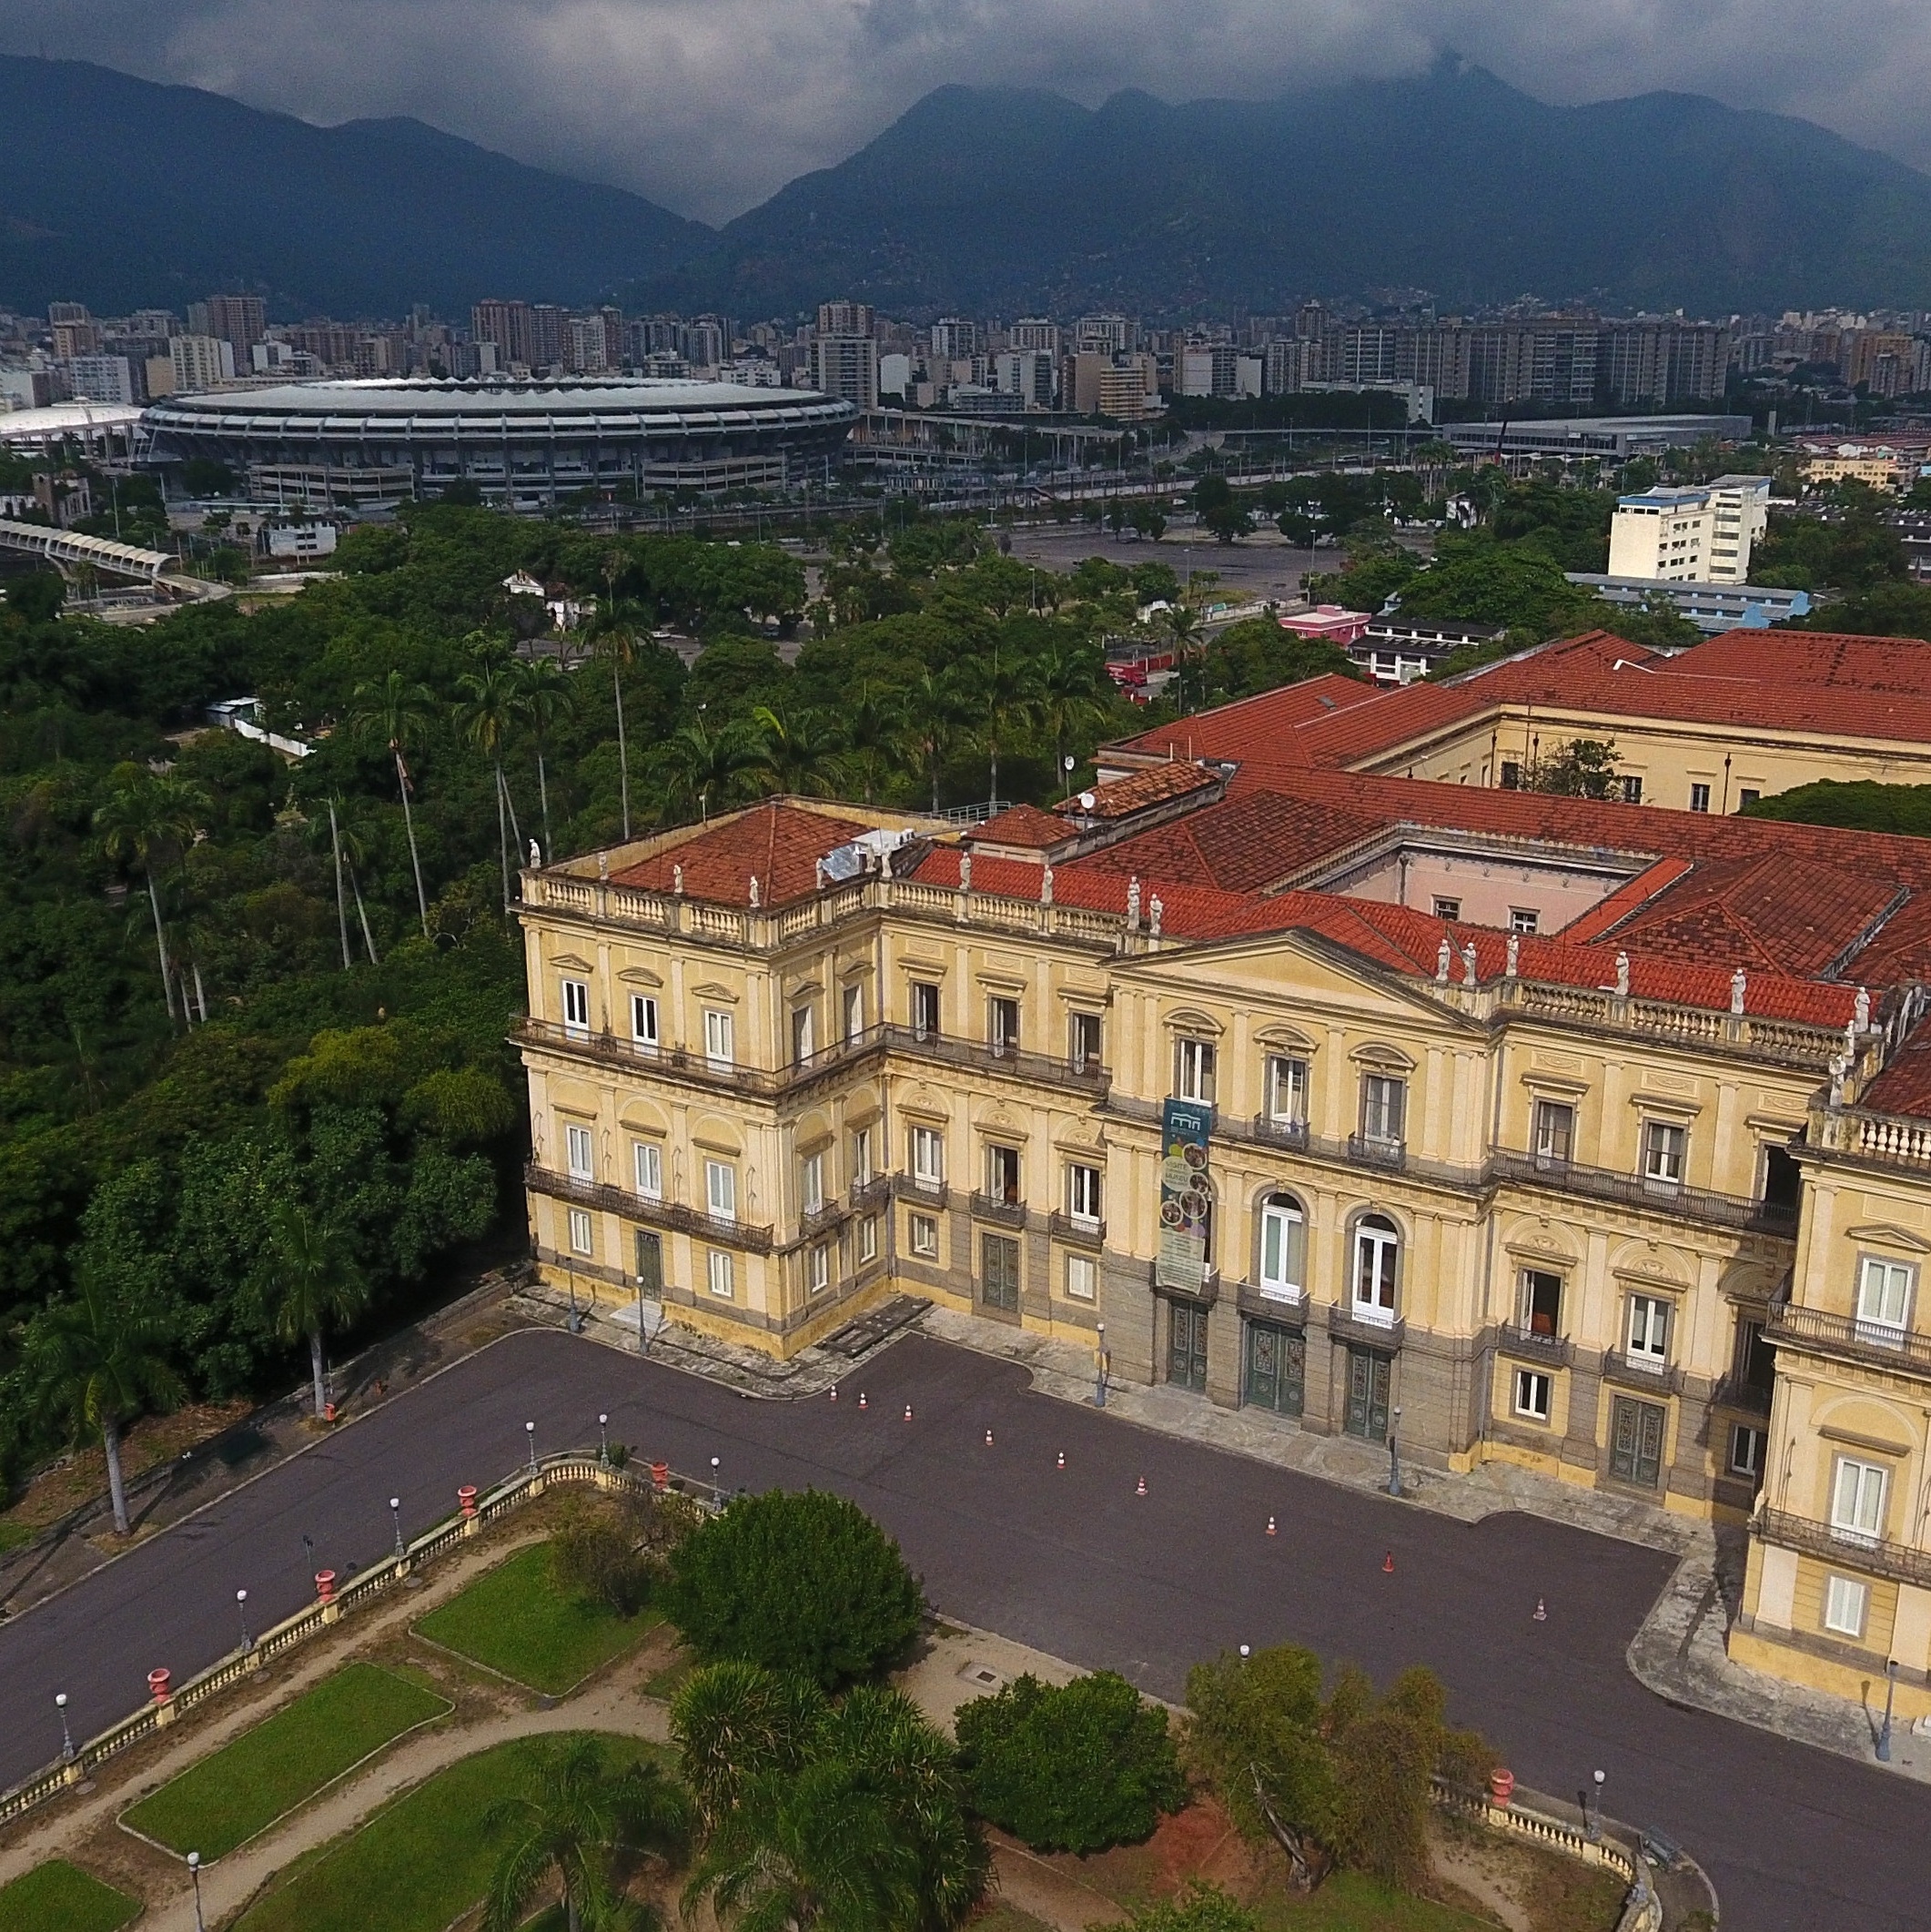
<point x="514" y="1619"/>
<point x="58" y="1897"/>
<point x="415" y="1866"/>
<point x="1354" y="1902"/>
<point x="215" y="1805"/>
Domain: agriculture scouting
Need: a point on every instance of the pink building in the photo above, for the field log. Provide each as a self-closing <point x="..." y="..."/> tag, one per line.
<point x="1328" y="620"/>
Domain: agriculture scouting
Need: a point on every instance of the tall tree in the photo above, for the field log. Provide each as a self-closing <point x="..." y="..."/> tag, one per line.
<point x="144" y="820"/>
<point x="395" y="711"/>
<point x="701" y="769"/>
<point x="1004" y="688"/>
<point x="799" y="753"/>
<point x="487" y="715"/>
<point x="311" y="1285"/>
<point x="1071" y="677"/>
<point x="575" y="1823"/>
<point x="545" y="698"/>
<point x="95" y="1363"/>
<point x="939" y="707"/>
<point x="617" y="647"/>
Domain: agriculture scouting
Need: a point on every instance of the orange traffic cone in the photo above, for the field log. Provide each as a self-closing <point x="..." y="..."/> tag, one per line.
<point x="1141" y="1490"/>
<point x="1270" y="1526"/>
<point x="988" y="1439"/>
<point x="1062" y="1458"/>
<point x="1388" y="1564"/>
<point x="861" y="1398"/>
<point x="1541" y="1613"/>
<point x="908" y="1412"/>
<point x="834" y="1392"/>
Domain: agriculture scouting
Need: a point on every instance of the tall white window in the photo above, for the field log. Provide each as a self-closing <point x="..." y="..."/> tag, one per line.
<point x="923" y="1234"/>
<point x="576" y="1006"/>
<point x="862" y="1157"/>
<point x="643" y="1021"/>
<point x="1286" y="1090"/>
<point x="1845" y="1603"/>
<point x="1530" y="1394"/>
<point x="720" y="1037"/>
<point x="1649" y="1330"/>
<point x="818" y="1268"/>
<point x="582" y="1235"/>
<point x="810" y="1184"/>
<point x="928" y="1155"/>
<point x="1377" y="1258"/>
<point x="718" y="1273"/>
<point x="1002" y="1024"/>
<point x="925" y="1008"/>
<point x="649" y="1159"/>
<point x="868" y="1238"/>
<point x="803" y="1033"/>
<point x="577" y="1148"/>
<point x="1083" y="1193"/>
<point x="1193" y="1069"/>
<point x="1662" y="1150"/>
<point x="1384" y="1108"/>
<point x="1082" y="1277"/>
<point x="1554" y="1133"/>
<point x="854" y="1012"/>
<point x="1856" y="1501"/>
<point x="1083" y="1040"/>
<point x="1283" y="1247"/>
<point x="1883" y="1299"/>
<point x="721" y="1191"/>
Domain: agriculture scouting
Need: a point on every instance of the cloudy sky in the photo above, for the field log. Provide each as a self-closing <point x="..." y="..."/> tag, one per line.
<point x="707" y="106"/>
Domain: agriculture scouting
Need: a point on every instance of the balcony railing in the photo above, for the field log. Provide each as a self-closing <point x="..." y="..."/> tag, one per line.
<point x="1874" y="1556"/>
<point x="1525" y="1344"/>
<point x="1377" y="1150"/>
<point x="985" y="1056"/>
<point x="642" y="1208"/>
<point x="1737" y="1392"/>
<point x="1695" y="1204"/>
<point x="1272" y="1132"/>
<point x="1078" y="1228"/>
<point x="997" y="1208"/>
<point x="1863" y="1342"/>
<point x="612" y="1049"/>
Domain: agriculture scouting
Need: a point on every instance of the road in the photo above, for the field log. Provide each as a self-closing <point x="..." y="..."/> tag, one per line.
<point x="1073" y="1562"/>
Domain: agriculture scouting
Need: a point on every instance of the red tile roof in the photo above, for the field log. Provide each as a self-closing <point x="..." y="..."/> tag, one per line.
<point x="1141" y="791"/>
<point x="1830" y="659"/>
<point x="1260" y="727"/>
<point x="778" y="843"/>
<point x="1025" y="825"/>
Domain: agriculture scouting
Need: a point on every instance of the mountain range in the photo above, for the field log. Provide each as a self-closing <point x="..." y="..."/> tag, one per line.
<point x="119" y="192"/>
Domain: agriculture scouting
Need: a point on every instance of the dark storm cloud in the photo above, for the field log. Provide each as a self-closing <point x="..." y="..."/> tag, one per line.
<point x="710" y="105"/>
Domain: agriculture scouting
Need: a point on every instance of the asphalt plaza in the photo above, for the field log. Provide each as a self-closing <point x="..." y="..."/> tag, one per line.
<point x="1072" y="1561"/>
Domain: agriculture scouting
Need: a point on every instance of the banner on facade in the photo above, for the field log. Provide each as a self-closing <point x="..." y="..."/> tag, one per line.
<point x="1185" y="1200"/>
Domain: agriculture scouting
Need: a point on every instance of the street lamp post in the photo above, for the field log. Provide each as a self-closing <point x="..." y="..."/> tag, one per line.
<point x="194" y="1872"/>
<point x="1890" y="1687"/>
<point x="1595" y="1825"/>
<point x="530" y="1433"/>
<point x="241" y="1616"/>
<point x="1394" y="1457"/>
<point x="603" y="1438"/>
<point x="715" y="1498"/>
<point x="1099" y="1370"/>
<point x="66" y="1736"/>
<point x="395" y="1516"/>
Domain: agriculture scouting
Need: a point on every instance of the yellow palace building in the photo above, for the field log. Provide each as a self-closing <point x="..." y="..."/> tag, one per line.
<point x="1588" y="1136"/>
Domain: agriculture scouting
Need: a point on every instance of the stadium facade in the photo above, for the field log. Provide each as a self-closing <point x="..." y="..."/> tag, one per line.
<point x="525" y="445"/>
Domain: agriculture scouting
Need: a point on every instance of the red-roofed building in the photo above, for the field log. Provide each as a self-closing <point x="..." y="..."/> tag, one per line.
<point x="1595" y="1135"/>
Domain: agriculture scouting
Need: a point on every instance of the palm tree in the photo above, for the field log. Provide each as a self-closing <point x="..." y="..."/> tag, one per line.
<point x="807" y="1849"/>
<point x="544" y="699"/>
<point x="313" y="1285"/>
<point x="699" y="768"/>
<point x="732" y="1721"/>
<point x="618" y="647"/>
<point x="938" y="711"/>
<point x="798" y="752"/>
<point x="1006" y="689"/>
<point x="487" y="715"/>
<point x="94" y="1363"/>
<point x="878" y="730"/>
<point x="574" y="1824"/>
<point x="1070" y="676"/>
<point x="1183" y="625"/>
<point x="914" y="1770"/>
<point x="141" y="821"/>
<point x="393" y="710"/>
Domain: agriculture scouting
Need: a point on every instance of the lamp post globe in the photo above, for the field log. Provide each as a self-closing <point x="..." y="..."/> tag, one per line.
<point x="530" y="1434"/>
<point x="395" y="1516"/>
<point x="66" y="1736"/>
<point x="194" y="1872"/>
<point x="241" y="1614"/>
<point x="603" y="1438"/>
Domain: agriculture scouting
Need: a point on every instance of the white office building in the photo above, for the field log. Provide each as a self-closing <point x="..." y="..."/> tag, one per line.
<point x="1701" y="535"/>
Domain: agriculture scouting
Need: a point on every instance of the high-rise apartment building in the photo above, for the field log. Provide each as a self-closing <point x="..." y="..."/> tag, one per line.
<point x="844" y="363"/>
<point x="200" y="362"/>
<point x="586" y="349"/>
<point x="548" y="328"/>
<point x="240" y="321"/>
<point x="954" y="340"/>
<point x="1648" y="363"/>
<point x="1037" y="332"/>
<point x="508" y="326"/>
<point x="845" y="318"/>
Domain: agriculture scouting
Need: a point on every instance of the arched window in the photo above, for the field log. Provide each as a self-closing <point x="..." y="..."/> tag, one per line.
<point x="1377" y="1257"/>
<point x="1283" y="1248"/>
